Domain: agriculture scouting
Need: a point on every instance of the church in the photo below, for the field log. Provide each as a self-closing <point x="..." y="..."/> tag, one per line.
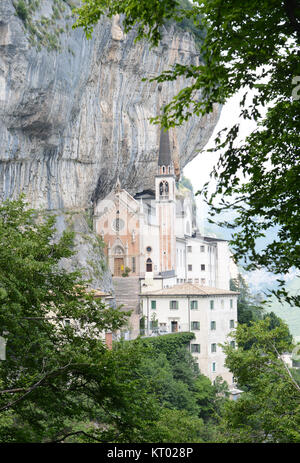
<point x="159" y="259"/>
<point x="154" y="235"/>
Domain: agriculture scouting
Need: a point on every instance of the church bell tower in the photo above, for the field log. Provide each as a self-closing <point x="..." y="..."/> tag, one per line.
<point x="165" y="196"/>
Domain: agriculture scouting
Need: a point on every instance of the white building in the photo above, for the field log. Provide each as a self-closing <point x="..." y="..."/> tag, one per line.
<point x="210" y="313"/>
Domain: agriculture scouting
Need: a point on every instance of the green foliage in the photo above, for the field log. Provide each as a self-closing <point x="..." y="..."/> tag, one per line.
<point x="49" y="365"/>
<point x="169" y="343"/>
<point x="186" y="183"/>
<point x="44" y="32"/>
<point x="59" y="383"/>
<point x="275" y="322"/>
<point x="126" y="272"/>
<point x="247" y="308"/>
<point x="269" y="410"/>
<point x="21" y="10"/>
<point x="182" y="392"/>
<point x="172" y="393"/>
<point x="179" y="426"/>
<point x="250" y="45"/>
<point x="187" y="24"/>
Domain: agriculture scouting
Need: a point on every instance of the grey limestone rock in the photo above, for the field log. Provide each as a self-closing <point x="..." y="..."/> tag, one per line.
<point x="74" y="113"/>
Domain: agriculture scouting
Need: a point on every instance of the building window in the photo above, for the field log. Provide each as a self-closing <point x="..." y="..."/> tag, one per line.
<point x="212" y="304"/>
<point x="190" y="280"/>
<point x="189" y="249"/>
<point x="195" y="348"/>
<point x="194" y="305"/>
<point x="195" y="325"/>
<point x="190" y="268"/>
<point x="153" y="305"/>
<point x="148" y="249"/>
<point x="164" y="190"/>
<point x="231" y="303"/>
<point x="214" y="348"/>
<point x="232" y="344"/>
<point x="202" y="267"/>
<point x="196" y="280"/>
<point x="214" y="366"/>
<point x="149" y="265"/>
<point x="212" y="325"/>
<point x="222" y="303"/>
<point x="202" y="248"/>
<point x="67" y="322"/>
<point x="203" y="281"/>
<point x="133" y="265"/>
<point x="174" y="326"/>
<point x="173" y="305"/>
<point x="231" y="324"/>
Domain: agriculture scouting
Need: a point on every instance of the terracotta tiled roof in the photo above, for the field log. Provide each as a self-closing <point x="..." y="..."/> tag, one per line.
<point x="99" y="293"/>
<point x="190" y="289"/>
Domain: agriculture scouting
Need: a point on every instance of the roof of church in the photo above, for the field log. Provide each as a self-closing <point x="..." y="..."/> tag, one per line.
<point x="164" y="157"/>
<point x="143" y="193"/>
<point x="190" y="289"/>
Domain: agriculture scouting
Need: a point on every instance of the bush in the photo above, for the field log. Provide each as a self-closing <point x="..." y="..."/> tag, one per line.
<point x="126" y="273"/>
<point x="21" y="10"/>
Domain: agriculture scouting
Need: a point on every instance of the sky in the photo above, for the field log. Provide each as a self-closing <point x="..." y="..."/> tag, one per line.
<point x="199" y="168"/>
<point x="198" y="171"/>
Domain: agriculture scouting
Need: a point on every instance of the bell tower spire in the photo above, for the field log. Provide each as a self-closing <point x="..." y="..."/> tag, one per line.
<point x="165" y="165"/>
<point x="165" y="204"/>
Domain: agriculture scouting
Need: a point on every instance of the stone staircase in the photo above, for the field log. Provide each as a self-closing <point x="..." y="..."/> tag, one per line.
<point x="127" y="291"/>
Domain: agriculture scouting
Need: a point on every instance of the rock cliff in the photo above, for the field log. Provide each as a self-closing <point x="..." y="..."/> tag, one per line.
<point x="74" y="113"/>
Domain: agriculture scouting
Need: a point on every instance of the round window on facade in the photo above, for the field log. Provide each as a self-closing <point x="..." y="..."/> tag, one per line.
<point x="148" y="249"/>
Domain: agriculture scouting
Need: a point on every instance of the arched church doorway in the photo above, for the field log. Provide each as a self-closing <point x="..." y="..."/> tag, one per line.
<point x="118" y="261"/>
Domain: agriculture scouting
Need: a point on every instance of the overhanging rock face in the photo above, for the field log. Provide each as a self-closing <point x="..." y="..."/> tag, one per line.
<point x="75" y="116"/>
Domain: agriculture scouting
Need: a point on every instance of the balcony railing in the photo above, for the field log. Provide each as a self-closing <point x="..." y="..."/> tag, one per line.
<point x="144" y="332"/>
<point x="160" y="331"/>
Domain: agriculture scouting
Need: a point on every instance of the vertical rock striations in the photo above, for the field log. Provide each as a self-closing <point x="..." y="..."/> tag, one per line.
<point x="74" y="114"/>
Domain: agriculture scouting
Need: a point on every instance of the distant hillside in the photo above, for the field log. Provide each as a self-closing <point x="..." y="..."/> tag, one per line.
<point x="261" y="281"/>
<point x="291" y="315"/>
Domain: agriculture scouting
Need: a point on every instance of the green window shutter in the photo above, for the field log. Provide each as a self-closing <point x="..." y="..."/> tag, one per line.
<point x="153" y="305"/>
<point x="195" y="325"/>
<point x="194" y="305"/>
<point x="195" y="348"/>
<point x="174" y="305"/>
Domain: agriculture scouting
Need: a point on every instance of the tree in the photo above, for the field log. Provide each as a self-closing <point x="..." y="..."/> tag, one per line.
<point x="269" y="409"/>
<point x="59" y="382"/>
<point x="247" y="309"/>
<point x="253" y="45"/>
<point x="58" y="376"/>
